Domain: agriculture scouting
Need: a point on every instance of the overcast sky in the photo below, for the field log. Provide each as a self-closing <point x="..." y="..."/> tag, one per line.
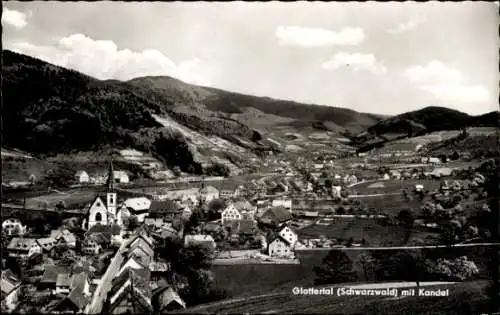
<point x="383" y="58"/>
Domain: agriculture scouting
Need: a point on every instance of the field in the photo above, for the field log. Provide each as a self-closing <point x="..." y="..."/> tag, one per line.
<point x="77" y="197"/>
<point x="465" y="298"/>
<point x="358" y="229"/>
<point x="392" y="186"/>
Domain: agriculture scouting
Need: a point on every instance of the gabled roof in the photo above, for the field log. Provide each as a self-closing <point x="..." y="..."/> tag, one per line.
<point x="165" y="296"/>
<point x="8" y="282"/>
<point x="274" y="236"/>
<point x="81" y="173"/>
<point x="243" y="205"/>
<point x="52" y="272"/>
<point x="278" y="214"/>
<point x="134" y="282"/>
<point x="241" y="226"/>
<point x="47" y="243"/>
<point x="18" y="243"/>
<point x="78" y="298"/>
<point x="63" y="280"/>
<point x="166" y="206"/>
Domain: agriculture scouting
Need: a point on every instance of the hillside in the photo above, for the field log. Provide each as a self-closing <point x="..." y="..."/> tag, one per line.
<point x="49" y="110"/>
<point x="424" y="121"/>
<point x="464" y="298"/>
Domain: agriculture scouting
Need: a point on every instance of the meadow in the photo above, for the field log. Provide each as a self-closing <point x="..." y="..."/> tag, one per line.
<point x="391" y="186"/>
<point x="72" y="198"/>
<point x="465" y="298"/>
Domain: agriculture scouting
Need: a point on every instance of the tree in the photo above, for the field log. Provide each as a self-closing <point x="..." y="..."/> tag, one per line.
<point x="406" y="219"/>
<point x="177" y="171"/>
<point x="61" y="205"/>
<point x="218" y="170"/>
<point x="337" y="267"/>
<point x="132" y="222"/>
<point x="214" y="206"/>
<point x="458" y="269"/>
<point x="366" y="261"/>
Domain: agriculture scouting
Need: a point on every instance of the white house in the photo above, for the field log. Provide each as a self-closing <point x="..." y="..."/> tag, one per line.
<point x="387" y="176"/>
<point x="13" y="227"/>
<point x="289" y="235"/>
<point x="419" y="187"/>
<point x="230" y="213"/>
<point x="336" y="190"/>
<point x="285" y="203"/>
<point x="133" y="206"/>
<point x="23" y="248"/>
<point x="279" y="247"/>
<point x="208" y="193"/>
<point x="120" y="177"/>
<point x="82" y="177"/>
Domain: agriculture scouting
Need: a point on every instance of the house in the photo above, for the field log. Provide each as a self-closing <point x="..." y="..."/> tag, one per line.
<point x="275" y="216"/>
<point x="208" y="193"/>
<point x="159" y="270"/>
<point x="10" y="286"/>
<point x="350" y="179"/>
<point x="92" y="245"/>
<point x="51" y="275"/>
<point x="387" y="176"/>
<point x="167" y="209"/>
<point x="13" y="226"/>
<point x="130" y="293"/>
<point x="47" y="243"/>
<point x="289" y="235"/>
<point x="63" y="282"/>
<point x="116" y="235"/>
<point x="78" y="297"/>
<point x="23" y="248"/>
<point x="186" y="213"/>
<point x="279" y="247"/>
<point x="442" y="172"/>
<point x="82" y="177"/>
<point x="336" y="191"/>
<point x="395" y="174"/>
<point x="230" y="213"/>
<point x="65" y="237"/>
<point x="166" y="299"/>
<point x="229" y="190"/>
<point x="246" y="209"/>
<point x="434" y="160"/>
<point x="208" y="240"/>
<point x="419" y="188"/>
<point x="245" y="227"/>
<point x="121" y="177"/>
<point x="285" y="203"/>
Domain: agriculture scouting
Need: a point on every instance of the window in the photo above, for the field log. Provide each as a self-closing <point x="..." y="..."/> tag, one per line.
<point x="98" y="216"/>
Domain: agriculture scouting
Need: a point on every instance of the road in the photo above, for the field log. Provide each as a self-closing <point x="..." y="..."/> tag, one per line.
<point x="374" y="195"/>
<point x="403" y="247"/>
<point x="101" y="292"/>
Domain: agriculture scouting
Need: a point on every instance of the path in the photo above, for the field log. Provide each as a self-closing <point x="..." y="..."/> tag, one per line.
<point x="404" y="247"/>
<point x="374" y="195"/>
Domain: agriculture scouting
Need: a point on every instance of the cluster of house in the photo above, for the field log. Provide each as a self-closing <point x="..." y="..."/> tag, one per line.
<point x="82" y="177"/>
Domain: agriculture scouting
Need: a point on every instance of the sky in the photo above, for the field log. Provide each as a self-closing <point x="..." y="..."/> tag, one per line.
<point x="385" y="58"/>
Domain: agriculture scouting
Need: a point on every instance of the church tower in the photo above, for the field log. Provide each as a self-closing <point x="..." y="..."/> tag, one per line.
<point x="111" y="194"/>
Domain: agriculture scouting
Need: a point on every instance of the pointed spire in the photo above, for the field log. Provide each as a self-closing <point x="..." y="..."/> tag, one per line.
<point x="111" y="178"/>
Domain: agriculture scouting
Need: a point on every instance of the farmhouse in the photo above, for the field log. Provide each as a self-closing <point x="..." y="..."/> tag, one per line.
<point x="285" y="203"/>
<point x="289" y="235"/>
<point x="13" y="226"/>
<point x="23" y="248"/>
<point x="121" y="177"/>
<point x="78" y="296"/>
<point x="230" y="213"/>
<point x="275" y="216"/>
<point x="419" y="188"/>
<point x="395" y="174"/>
<point x="442" y="172"/>
<point x="199" y="239"/>
<point x="82" y="177"/>
<point x="336" y="190"/>
<point x="279" y="247"/>
<point x="166" y="299"/>
<point x="246" y="209"/>
<point x="208" y="193"/>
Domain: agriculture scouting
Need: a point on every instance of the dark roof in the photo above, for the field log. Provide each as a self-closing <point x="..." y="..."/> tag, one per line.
<point x="278" y="214"/>
<point x="241" y="226"/>
<point x="166" y="295"/>
<point x="53" y="271"/>
<point x="63" y="280"/>
<point x="78" y="298"/>
<point x="9" y="282"/>
<point x="100" y="238"/>
<point x="211" y="226"/>
<point x="274" y="236"/>
<point x="99" y="228"/>
<point x="116" y="229"/>
<point x="138" y="286"/>
<point x="166" y="206"/>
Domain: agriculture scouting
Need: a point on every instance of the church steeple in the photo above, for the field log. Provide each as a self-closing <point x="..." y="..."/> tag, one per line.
<point x="111" y="177"/>
<point x="111" y="194"/>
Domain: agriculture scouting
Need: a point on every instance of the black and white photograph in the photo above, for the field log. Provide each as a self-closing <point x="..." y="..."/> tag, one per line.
<point x="250" y="157"/>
